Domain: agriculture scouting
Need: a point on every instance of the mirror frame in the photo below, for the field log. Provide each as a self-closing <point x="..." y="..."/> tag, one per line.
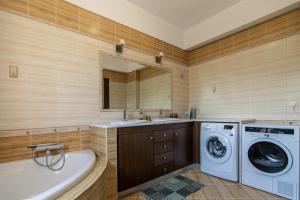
<point x="160" y="66"/>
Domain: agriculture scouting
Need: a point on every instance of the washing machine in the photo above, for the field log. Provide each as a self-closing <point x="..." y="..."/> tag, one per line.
<point x="270" y="158"/>
<point x="219" y="150"/>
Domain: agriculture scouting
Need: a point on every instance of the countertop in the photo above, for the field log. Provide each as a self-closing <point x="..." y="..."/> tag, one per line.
<point x="226" y="120"/>
<point x="109" y="124"/>
<point x="276" y="122"/>
<point x="113" y="124"/>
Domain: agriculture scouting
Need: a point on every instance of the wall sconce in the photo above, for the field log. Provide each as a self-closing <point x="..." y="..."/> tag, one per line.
<point x="159" y="57"/>
<point x="119" y="47"/>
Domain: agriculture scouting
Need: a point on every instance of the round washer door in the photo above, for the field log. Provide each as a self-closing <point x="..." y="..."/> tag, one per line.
<point x="217" y="148"/>
<point x="269" y="157"/>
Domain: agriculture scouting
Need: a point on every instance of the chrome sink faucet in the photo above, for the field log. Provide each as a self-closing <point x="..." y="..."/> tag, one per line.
<point x="125" y="115"/>
<point x="160" y="113"/>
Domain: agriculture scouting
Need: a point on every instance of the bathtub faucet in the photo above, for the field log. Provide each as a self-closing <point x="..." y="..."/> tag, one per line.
<point x="47" y="148"/>
<point x="44" y="147"/>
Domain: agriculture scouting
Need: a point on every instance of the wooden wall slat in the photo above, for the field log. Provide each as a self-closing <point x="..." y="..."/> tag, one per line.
<point x="293" y="22"/>
<point x="107" y="28"/>
<point x="44" y="10"/>
<point x="67" y="15"/>
<point x="89" y="23"/>
<point x="19" y="6"/>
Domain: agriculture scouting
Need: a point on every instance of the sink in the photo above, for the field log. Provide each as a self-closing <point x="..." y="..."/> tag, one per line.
<point x="128" y="122"/>
<point x="165" y="119"/>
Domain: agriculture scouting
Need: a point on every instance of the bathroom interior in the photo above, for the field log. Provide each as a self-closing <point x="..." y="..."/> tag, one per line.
<point x="137" y="99"/>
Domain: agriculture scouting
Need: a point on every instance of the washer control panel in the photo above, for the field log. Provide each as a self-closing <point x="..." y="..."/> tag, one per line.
<point x="225" y="128"/>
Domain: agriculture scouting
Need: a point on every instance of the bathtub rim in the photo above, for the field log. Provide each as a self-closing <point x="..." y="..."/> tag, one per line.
<point x="97" y="172"/>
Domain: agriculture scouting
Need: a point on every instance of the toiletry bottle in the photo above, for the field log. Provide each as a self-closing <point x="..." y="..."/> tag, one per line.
<point x="141" y="114"/>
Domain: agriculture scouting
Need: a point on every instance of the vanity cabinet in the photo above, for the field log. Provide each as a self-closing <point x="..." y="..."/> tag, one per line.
<point x="183" y="147"/>
<point x="135" y="151"/>
<point x="148" y="152"/>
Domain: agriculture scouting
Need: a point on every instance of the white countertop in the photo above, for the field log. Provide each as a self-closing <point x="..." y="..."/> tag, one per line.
<point x="114" y="124"/>
<point x="277" y="122"/>
<point x="226" y="120"/>
<point x="110" y="124"/>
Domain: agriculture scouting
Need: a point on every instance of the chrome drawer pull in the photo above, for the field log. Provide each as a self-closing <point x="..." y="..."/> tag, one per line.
<point x="165" y="135"/>
<point x="165" y="157"/>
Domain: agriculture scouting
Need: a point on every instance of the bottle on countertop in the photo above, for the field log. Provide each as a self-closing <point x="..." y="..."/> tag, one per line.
<point x="141" y="114"/>
<point x="193" y="113"/>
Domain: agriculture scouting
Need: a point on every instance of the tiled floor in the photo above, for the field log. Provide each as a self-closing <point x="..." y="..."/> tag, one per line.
<point x="218" y="189"/>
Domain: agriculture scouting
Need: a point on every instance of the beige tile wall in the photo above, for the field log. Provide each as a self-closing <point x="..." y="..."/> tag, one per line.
<point x="156" y="91"/>
<point x="258" y="82"/>
<point x="117" y="94"/>
<point x="132" y="94"/>
<point x="59" y="82"/>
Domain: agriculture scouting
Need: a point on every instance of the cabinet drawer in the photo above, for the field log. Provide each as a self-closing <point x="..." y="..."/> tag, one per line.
<point x="163" y="147"/>
<point x="163" y="169"/>
<point x="160" y="136"/>
<point x="163" y="158"/>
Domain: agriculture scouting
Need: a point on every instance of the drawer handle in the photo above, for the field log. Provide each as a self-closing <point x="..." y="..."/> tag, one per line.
<point x="165" y="157"/>
<point x="151" y="138"/>
<point x="165" y="147"/>
<point x="176" y="133"/>
<point x="165" y="135"/>
<point x="165" y="169"/>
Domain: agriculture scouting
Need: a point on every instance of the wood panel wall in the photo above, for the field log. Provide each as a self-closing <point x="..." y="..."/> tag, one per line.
<point x="74" y="18"/>
<point x="274" y="29"/>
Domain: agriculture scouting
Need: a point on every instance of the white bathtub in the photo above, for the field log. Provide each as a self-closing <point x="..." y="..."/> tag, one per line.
<point x="26" y="180"/>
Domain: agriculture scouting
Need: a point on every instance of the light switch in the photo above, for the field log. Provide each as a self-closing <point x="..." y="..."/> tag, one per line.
<point x="13" y="71"/>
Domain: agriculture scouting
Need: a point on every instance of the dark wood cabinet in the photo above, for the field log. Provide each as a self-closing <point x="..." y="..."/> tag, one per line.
<point x="135" y="163"/>
<point x="183" y="147"/>
<point x="147" y="152"/>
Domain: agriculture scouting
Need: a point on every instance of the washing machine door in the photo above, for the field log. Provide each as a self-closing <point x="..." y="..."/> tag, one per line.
<point x="269" y="157"/>
<point x="217" y="148"/>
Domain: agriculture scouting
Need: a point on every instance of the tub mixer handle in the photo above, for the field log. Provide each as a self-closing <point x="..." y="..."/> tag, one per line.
<point x="47" y="148"/>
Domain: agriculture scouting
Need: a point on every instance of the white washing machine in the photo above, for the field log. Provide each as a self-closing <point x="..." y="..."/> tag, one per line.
<point x="270" y="158"/>
<point x="219" y="150"/>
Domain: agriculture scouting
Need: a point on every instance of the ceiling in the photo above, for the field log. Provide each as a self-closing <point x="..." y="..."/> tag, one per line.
<point x="184" y="14"/>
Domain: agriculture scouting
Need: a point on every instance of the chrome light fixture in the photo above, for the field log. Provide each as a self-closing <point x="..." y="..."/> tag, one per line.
<point x="119" y="47"/>
<point x="158" y="58"/>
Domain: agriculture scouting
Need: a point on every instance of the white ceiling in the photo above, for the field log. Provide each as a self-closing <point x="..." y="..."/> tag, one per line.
<point x="184" y="13"/>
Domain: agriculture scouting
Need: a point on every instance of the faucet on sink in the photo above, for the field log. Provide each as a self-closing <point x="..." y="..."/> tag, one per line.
<point x="125" y="114"/>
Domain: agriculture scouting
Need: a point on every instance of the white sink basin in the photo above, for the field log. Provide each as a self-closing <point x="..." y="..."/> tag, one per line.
<point x="165" y="119"/>
<point x="128" y="122"/>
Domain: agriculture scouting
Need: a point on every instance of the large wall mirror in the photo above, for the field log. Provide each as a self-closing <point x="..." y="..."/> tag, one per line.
<point x="132" y="85"/>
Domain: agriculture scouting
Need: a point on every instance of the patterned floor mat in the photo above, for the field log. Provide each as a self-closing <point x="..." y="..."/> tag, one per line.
<point x="175" y="188"/>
